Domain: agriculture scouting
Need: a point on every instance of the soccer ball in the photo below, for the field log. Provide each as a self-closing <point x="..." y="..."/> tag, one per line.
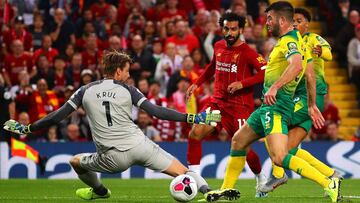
<point x="183" y="188"/>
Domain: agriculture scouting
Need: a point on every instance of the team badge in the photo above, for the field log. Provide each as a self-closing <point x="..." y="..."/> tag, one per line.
<point x="292" y="47"/>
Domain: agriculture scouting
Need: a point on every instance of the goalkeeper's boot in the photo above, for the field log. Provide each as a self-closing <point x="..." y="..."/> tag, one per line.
<point x="260" y="180"/>
<point x="333" y="190"/>
<point x="224" y="194"/>
<point x="89" y="194"/>
<point x="336" y="174"/>
<point x="273" y="183"/>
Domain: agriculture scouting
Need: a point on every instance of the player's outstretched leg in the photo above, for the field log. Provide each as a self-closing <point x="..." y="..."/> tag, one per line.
<point x="96" y="189"/>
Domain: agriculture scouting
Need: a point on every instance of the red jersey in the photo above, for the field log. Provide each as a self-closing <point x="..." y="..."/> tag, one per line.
<point x="50" y="54"/>
<point x="25" y="37"/>
<point x="91" y="61"/>
<point x="231" y="64"/>
<point x="13" y="66"/>
<point x="99" y="11"/>
<point x="190" y="42"/>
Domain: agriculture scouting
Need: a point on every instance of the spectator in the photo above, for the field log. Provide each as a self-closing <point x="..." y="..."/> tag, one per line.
<point x="143" y="86"/>
<point x="214" y="34"/>
<point x="345" y="35"/>
<point x="44" y="70"/>
<point x="341" y="14"/>
<point x="99" y="9"/>
<point x="16" y="62"/>
<point x="187" y="71"/>
<point x="43" y="101"/>
<point x="149" y="33"/>
<point x="52" y="135"/>
<point x="92" y="55"/>
<point x="18" y="32"/>
<point x="111" y="18"/>
<point x="62" y="31"/>
<point x="46" y="50"/>
<point x="330" y="113"/>
<point x="153" y="13"/>
<point x="73" y="72"/>
<point x="353" y="56"/>
<point x="168" y="64"/>
<point x="117" y="43"/>
<point x="185" y="42"/>
<point x="144" y="64"/>
<point x="60" y="78"/>
<point x="22" y="93"/>
<point x="199" y="60"/>
<point x="24" y="119"/>
<point x="331" y="133"/>
<point x="144" y="123"/>
<point x="73" y="133"/>
<point x="37" y="31"/>
<point x="134" y="24"/>
<point x="201" y="19"/>
<point x="172" y="10"/>
<point x="69" y="52"/>
<point x="157" y="49"/>
<point x="87" y="77"/>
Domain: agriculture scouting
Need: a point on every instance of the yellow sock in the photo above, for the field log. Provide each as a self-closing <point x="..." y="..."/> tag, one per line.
<point x="234" y="167"/>
<point x="278" y="172"/>
<point x="320" y="166"/>
<point x="304" y="169"/>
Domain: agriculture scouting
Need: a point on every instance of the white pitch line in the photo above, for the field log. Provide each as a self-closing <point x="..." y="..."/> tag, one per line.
<point x="352" y="196"/>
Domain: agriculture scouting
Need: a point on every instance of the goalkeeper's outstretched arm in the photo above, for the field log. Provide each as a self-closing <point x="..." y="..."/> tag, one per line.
<point x="163" y="113"/>
<point x="52" y="118"/>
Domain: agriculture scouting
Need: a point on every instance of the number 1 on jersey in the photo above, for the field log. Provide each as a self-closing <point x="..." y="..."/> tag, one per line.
<point x="107" y="111"/>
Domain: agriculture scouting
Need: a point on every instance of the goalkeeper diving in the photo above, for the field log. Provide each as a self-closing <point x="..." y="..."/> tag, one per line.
<point x="119" y="142"/>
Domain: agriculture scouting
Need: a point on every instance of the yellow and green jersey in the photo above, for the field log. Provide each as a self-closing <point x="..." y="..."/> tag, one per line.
<point x="288" y="44"/>
<point x="311" y="40"/>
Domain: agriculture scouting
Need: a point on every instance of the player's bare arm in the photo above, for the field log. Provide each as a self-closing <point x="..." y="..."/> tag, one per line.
<point x="290" y="73"/>
<point x="314" y="112"/>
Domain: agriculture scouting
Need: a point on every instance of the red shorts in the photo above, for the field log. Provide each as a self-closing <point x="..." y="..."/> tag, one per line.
<point x="232" y="118"/>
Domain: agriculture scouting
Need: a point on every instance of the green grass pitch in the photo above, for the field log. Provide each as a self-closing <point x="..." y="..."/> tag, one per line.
<point x="141" y="190"/>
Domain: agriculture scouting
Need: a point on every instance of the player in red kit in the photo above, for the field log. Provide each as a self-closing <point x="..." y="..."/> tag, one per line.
<point x="233" y="65"/>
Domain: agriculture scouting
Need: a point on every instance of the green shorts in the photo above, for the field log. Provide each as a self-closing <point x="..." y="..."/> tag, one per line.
<point x="272" y="119"/>
<point x="300" y="116"/>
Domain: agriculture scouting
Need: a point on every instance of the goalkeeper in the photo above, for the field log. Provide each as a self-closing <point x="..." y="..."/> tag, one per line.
<point x="119" y="142"/>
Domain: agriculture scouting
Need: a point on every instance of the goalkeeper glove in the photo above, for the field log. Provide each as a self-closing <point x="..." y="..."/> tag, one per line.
<point x="16" y="127"/>
<point x="208" y="117"/>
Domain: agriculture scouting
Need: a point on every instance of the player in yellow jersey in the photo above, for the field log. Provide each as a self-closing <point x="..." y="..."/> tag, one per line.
<point x="301" y="122"/>
<point x="283" y="73"/>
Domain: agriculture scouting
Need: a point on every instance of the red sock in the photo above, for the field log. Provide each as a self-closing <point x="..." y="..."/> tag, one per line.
<point x="254" y="162"/>
<point x="194" y="152"/>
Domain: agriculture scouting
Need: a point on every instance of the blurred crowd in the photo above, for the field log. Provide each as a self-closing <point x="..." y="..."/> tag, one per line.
<point x="52" y="47"/>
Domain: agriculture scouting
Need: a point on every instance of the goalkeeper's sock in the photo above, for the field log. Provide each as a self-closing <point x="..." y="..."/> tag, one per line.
<point x="201" y="183"/>
<point x="101" y="190"/>
<point x="304" y="169"/>
<point x="253" y="161"/>
<point x="234" y="167"/>
<point x="320" y="166"/>
<point x="90" y="178"/>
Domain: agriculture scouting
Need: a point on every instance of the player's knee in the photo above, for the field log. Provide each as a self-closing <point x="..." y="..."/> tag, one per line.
<point x="236" y="144"/>
<point x="75" y="162"/>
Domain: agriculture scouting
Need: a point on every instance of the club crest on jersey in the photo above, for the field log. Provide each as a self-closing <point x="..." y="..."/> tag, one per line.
<point x="260" y="59"/>
<point x="292" y="47"/>
<point x="234" y="59"/>
<point x="233" y="68"/>
<point x="218" y="54"/>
